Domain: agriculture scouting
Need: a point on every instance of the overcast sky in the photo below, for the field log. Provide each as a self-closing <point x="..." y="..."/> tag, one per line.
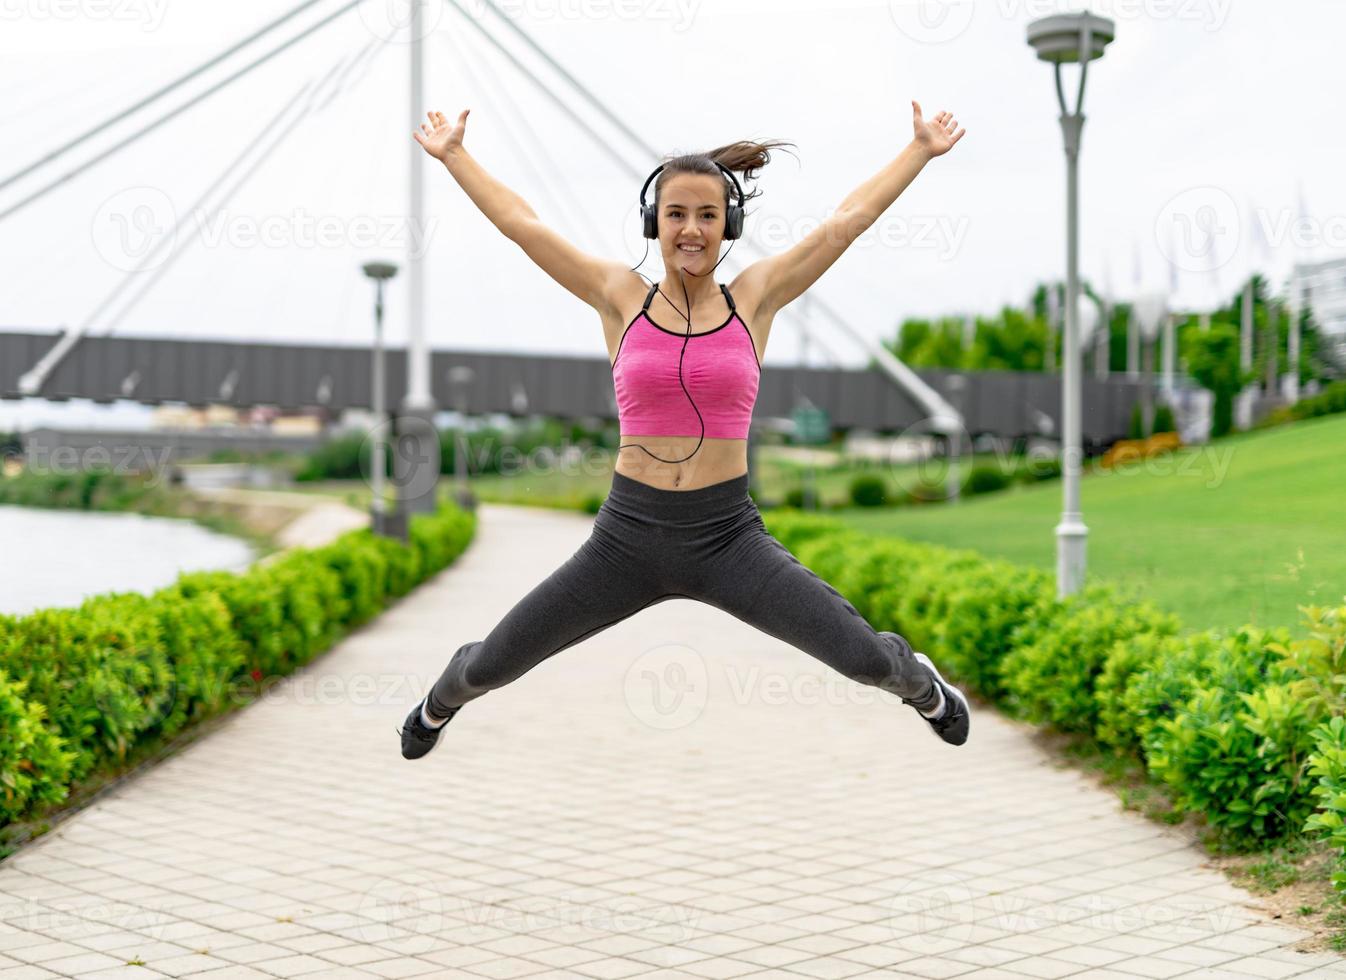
<point x="1202" y="115"/>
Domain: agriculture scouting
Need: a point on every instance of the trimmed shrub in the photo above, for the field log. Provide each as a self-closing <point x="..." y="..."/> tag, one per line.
<point x="797" y="498"/>
<point x="363" y="570"/>
<point x="1163" y="419"/>
<point x="203" y="649"/>
<point x="1241" y="759"/>
<point x="1050" y="674"/>
<point x="1320" y="657"/>
<point x="1135" y="428"/>
<point x="1030" y="469"/>
<point x="1328" y="768"/>
<point x="986" y="479"/>
<point x="125" y="669"/>
<point x="1242" y="661"/>
<point x="1234" y="723"/>
<point x="1144" y="680"/>
<point x="869" y="490"/>
<point x="1329" y="401"/>
<point x="34" y="768"/>
<point x="100" y="671"/>
<point x="981" y="611"/>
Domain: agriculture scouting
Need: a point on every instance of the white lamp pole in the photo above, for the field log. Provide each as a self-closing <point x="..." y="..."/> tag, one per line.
<point x="1148" y="313"/>
<point x="383" y="523"/>
<point x="1060" y="39"/>
<point x="1169" y="357"/>
<point x="1297" y="305"/>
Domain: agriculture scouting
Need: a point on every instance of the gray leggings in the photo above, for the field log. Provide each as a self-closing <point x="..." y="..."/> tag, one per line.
<point x="709" y="544"/>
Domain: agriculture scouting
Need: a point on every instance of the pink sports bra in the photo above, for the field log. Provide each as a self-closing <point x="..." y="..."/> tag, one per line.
<point x="720" y="369"/>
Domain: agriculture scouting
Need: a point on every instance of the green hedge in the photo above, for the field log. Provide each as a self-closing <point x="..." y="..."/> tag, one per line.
<point x="986" y="479"/>
<point x="1244" y="724"/>
<point x="868" y="490"/>
<point x="82" y="688"/>
<point x="90" y="489"/>
<point x="1329" y="401"/>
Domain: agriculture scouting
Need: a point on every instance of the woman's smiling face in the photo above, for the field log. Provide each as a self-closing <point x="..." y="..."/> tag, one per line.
<point x="691" y="221"/>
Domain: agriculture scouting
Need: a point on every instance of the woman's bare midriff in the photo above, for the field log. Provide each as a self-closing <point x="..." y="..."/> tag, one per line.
<point x="716" y="461"/>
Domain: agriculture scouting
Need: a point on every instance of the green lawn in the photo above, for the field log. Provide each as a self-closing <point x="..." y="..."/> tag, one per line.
<point x="1239" y="531"/>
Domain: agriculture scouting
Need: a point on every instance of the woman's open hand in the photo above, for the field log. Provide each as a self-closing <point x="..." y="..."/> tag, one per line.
<point x="937" y="136"/>
<point x="439" y="138"/>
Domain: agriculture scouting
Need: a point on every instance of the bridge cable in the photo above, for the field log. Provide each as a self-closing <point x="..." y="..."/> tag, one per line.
<point x="31" y="382"/>
<point x="315" y="102"/>
<point x="607" y="113"/>
<point x="465" y="56"/>
<point x="546" y="90"/>
<point x="575" y="83"/>
<point x="103" y="155"/>
<point x="927" y="397"/>
<point x="155" y="96"/>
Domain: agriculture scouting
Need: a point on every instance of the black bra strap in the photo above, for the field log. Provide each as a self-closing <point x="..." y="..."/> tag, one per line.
<point x="649" y="296"/>
<point x="729" y="299"/>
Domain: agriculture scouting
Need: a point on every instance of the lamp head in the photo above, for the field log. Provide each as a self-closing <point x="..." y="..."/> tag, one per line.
<point x="1057" y="38"/>
<point x="1150" y="309"/>
<point x="380" y="270"/>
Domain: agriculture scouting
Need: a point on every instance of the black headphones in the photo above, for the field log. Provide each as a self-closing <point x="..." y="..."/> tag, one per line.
<point x="733" y="228"/>
<point x="733" y="219"/>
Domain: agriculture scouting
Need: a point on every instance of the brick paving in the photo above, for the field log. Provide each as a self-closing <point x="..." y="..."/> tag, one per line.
<point x="677" y="796"/>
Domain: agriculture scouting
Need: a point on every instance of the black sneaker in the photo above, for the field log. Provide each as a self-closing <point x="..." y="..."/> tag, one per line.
<point x="951" y="724"/>
<point x="417" y="737"/>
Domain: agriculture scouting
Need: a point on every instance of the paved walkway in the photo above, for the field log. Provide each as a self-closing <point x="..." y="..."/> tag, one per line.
<point x="678" y="796"/>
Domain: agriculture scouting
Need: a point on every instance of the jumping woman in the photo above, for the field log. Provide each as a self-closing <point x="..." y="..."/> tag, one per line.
<point x="678" y="521"/>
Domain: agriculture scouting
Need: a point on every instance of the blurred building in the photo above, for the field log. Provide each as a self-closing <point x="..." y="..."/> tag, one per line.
<point x="1323" y="286"/>
<point x="225" y="417"/>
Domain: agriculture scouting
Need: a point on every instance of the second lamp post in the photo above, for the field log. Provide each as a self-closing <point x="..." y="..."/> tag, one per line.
<point x="1060" y="39"/>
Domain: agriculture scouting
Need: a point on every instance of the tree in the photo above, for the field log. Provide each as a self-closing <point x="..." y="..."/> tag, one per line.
<point x="1135" y="429"/>
<point x="1016" y="339"/>
<point x="923" y="343"/>
<point x="1163" y="419"/>
<point x="1014" y="342"/>
<point x="1011" y="341"/>
<point x="1213" y="360"/>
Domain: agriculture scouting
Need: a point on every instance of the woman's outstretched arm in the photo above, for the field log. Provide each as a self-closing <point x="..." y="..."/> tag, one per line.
<point x="780" y="279"/>
<point x="592" y="279"/>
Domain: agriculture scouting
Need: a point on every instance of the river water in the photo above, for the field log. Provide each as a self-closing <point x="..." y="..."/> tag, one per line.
<point x="60" y="557"/>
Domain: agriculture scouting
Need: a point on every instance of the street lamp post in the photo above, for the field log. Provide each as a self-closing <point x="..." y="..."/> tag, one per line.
<point x="1087" y="327"/>
<point x="1149" y="311"/>
<point x="382" y="521"/>
<point x="1103" y="335"/>
<point x="1053" y="324"/>
<point x="1060" y="39"/>
<point x="460" y="376"/>
<point x="956" y="389"/>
